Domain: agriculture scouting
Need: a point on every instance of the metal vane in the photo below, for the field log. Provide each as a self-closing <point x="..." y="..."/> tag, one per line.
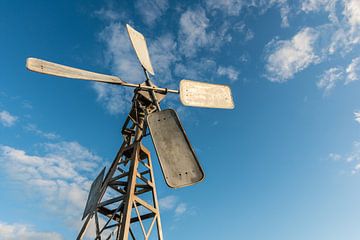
<point x="123" y="203"/>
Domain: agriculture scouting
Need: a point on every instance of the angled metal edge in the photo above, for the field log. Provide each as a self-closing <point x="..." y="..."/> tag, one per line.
<point x="94" y="194"/>
<point x="187" y="139"/>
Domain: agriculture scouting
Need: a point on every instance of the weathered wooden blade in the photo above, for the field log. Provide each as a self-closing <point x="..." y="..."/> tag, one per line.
<point x="94" y="194"/>
<point x="177" y="158"/>
<point x="200" y="94"/>
<point x="45" y="67"/>
<point x="139" y="43"/>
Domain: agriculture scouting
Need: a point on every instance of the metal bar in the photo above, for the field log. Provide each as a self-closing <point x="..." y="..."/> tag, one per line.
<point x="155" y="200"/>
<point x="153" y="88"/>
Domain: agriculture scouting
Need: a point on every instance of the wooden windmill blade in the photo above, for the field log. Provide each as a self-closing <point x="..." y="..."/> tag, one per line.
<point x="138" y="42"/>
<point x="201" y="94"/>
<point x="46" y="67"/>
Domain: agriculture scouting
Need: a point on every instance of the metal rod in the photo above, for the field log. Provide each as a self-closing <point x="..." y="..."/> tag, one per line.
<point x="155" y="89"/>
<point x="152" y="92"/>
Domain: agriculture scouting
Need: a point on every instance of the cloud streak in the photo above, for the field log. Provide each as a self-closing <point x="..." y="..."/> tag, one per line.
<point x="25" y="232"/>
<point x="7" y="119"/>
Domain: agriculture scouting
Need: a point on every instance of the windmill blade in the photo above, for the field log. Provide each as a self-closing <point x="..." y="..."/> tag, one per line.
<point x="45" y="67"/>
<point x="201" y="94"/>
<point x="94" y="194"/>
<point x="139" y="44"/>
<point x="177" y="158"/>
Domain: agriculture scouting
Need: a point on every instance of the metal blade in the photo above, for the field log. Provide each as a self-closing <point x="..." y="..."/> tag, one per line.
<point x="177" y="158"/>
<point x="94" y="194"/>
<point x="45" y="67"/>
<point x="139" y="43"/>
<point x="200" y="94"/>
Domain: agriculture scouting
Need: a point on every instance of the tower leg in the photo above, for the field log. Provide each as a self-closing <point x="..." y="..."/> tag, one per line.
<point x="128" y="207"/>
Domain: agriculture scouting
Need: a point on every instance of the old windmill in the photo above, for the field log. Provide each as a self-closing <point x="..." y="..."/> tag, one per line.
<point x="126" y="194"/>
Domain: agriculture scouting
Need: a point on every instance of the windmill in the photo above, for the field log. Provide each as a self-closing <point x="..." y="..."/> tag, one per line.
<point x="123" y="202"/>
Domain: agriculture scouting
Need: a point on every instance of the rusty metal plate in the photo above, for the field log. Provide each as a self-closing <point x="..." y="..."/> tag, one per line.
<point x="177" y="158"/>
<point x="94" y="194"/>
<point x="139" y="43"/>
<point x="200" y="94"/>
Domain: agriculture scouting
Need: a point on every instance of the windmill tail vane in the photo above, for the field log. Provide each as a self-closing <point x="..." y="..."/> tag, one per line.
<point x="123" y="204"/>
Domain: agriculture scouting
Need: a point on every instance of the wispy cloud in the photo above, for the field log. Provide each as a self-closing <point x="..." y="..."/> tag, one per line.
<point x="194" y="33"/>
<point x="334" y="75"/>
<point x="57" y="174"/>
<point x="230" y="72"/>
<point x="27" y="232"/>
<point x="6" y="119"/>
<point x="285" y="58"/>
<point x="115" y="99"/>
<point x="119" y="53"/>
<point x="329" y="6"/>
<point x="180" y="209"/>
<point x="329" y="79"/>
<point x="229" y="7"/>
<point x="172" y="203"/>
<point x="164" y="54"/>
<point x="353" y="70"/>
<point x="35" y="130"/>
<point x="352" y="158"/>
<point x="168" y="202"/>
<point x="357" y="116"/>
<point x="151" y="10"/>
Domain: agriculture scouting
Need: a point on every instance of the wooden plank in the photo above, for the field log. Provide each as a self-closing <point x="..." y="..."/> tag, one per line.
<point x="139" y="43"/>
<point x="201" y="94"/>
<point x="45" y="67"/>
<point x="145" y="204"/>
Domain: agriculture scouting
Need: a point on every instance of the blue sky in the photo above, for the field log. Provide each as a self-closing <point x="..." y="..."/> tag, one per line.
<point x="284" y="164"/>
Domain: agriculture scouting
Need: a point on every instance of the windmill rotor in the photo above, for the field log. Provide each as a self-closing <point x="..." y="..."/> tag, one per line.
<point x="178" y="161"/>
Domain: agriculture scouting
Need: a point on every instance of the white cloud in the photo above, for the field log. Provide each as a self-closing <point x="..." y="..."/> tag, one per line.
<point x="168" y="202"/>
<point x="56" y="175"/>
<point x="198" y="69"/>
<point x="181" y="209"/>
<point x="352" y="158"/>
<point x="25" y="232"/>
<point x="357" y="116"/>
<point x="234" y="7"/>
<point x="108" y="14"/>
<point x="164" y="55"/>
<point x="332" y="76"/>
<point x="171" y="202"/>
<point x="352" y="14"/>
<point x="229" y="7"/>
<point x="34" y="129"/>
<point x="287" y="57"/>
<point x="120" y="54"/>
<point x="243" y="28"/>
<point x="329" y="79"/>
<point x="6" y="119"/>
<point x="335" y="156"/>
<point x="229" y="72"/>
<point x="115" y="99"/>
<point x="284" y="11"/>
<point x="321" y="5"/>
<point x="121" y="57"/>
<point x="353" y="70"/>
<point x="151" y="10"/>
<point x="194" y="33"/>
